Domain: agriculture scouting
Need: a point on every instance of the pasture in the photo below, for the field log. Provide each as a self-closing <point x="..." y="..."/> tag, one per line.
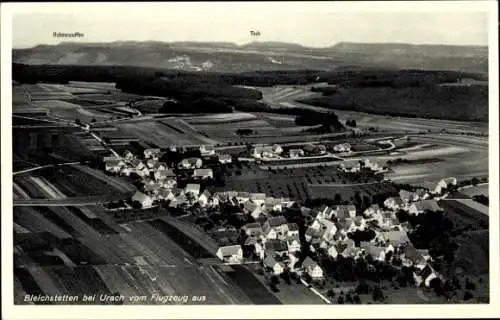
<point x="63" y="110"/>
<point x="471" y="191"/>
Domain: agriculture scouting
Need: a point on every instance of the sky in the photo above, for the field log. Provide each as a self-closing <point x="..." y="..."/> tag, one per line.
<point x="316" y="24"/>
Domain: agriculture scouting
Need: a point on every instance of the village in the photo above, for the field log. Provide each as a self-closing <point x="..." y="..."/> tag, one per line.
<point x="263" y="235"/>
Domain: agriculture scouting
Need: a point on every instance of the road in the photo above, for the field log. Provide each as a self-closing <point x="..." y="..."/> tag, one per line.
<point x="46" y="166"/>
<point x="69" y="202"/>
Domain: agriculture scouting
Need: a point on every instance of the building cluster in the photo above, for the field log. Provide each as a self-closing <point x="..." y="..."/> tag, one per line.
<point x="342" y="147"/>
<point x="363" y="165"/>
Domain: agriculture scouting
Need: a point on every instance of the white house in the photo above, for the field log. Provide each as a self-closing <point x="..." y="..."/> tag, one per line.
<point x="277" y="149"/>
<point x="312" y="269"/>
<point x="343" y="147"/>
<point x="169" y="183"/>
<point x="373" y="210"/>
<point x="376" y="252"/>
<point x="203" y="174"/>
<point x="293" y="229"/>
<point x="225" y="158"/>
<point x="243" y="196"/>
<point x="258" y="198"/>
<point x="345" y="211"/>
<point x="276" y="267"/>
<point x="144" y="172"/>
<point x="445" y="183"/>
<point x="273" y="204"/>
<point x="203" y="198"/>
<point x="144" y="200"/>
<point x="252" y="209"/>
<point x="230" y="254"/>
<point x="278" y="225"/>
<point x="207" y="150"/>
<point x="165" y="194"/>
<point x="332" y="252"/>
<point x="193" y="188"/>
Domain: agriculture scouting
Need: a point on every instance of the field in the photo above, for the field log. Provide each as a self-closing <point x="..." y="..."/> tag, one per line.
<point x="68" y="181"/>
<point x="163" y="133"/>
<point x="69" y="250"/>
<point x="347" y="191"/>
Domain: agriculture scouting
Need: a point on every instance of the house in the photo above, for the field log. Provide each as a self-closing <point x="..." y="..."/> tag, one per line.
<point x="424" y="205"/>
<point x="203" y="174"/>
<point x="169" y="183"/>
<point x="345" y="211"/>
<point x="325" y="212"/>
<point x="192" y="188"/>
<point x="277" y="224"/>
<point x="243" y="197"/>
<point x="225" y="158"/>
<point x="393" y="203"/>
<point x="150" y="163"/>
<point x="276" y="267"/>
<point x="114" y="165"/>
<point x="190" y="163"/>
<point x="125" y="171"/>
<point x="276" y="247"/>
<point x="160" y="166"/>
<point x="326" y="228"/>
<point x="152" y="188"/>
<point x="425" y="276"/>
<point x="207" y="150"/>
<point x="405" y="196"/>
<point x="178" y="201"/>
<point x="332" y="252"/>
<point x="259" y="249"/>
<point x="395" y="237"/>
<point x="293" y="229"/>
<point x="312" y="269"/>
<point x="320" y="149"/>
<point x="420" y="194"/>
<point x="203" y="198"/>
<point x="145" y="200"/>
<point x="214" y="200"/>
<point x="258" y="198"/>
<point x="252" y="209"/>
<point x="412" y="257"/>
<point x="128" y="155"/>
<point x="277" y="149"/>
<point x="273" y="204"/>
<point x="230" y="254"/>
<point x="444" y="184"/>
<point x="252" y="229"/>
<point x="375" y="252"/>
<point x="352" y="252"/>
<point x="293" y="243"/>
<point x="292" y="262"/>
<point x="152" y="153"/>
<point x="165" y="194"/>
<point x="343" y="147"/>
<point x="135" y="163"/>
<point x="296" y="153"/>
<point x="373" y="211"/>
<point x="162" y="174"/>
<point x="144" y="172"/>
<point x="313" y="235"/>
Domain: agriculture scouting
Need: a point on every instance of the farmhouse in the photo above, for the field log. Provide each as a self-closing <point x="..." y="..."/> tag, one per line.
<point x="395" y="237"/>
<point x="114" y="165"/>
<point x="313" y="235"/>
<point x="312" y="269"/>
<point x="253" y="209"/>
<point x="190" y="163"/>
<point x="444" y="184"/>
<point x="143" y="199"/>
<point x="152" y="153"/>
<point x="424" y="205"/>
<point x="332" y="252"/>
<point x="352" y="252"/>
<point x="258" y="198"/>
<point x="169" y="183"/>
<point x="405" y="196"/>
<point x="207" y="150"/>
<point x="243" y="197"/>
<point x="225" y="158"/>
<point x="375" y="252"/>
<point x="193" y="189"/>
<point x="420" y="194"/>
<point x="276" y="267"/>
<point x="394" y="203"/>
<point x="343" y="147"/>
<point x="128" y="155"/>
<point x="164" y="174"/>
<point x="411" y="257"/>
<point x="296" y="153"/>
<point x="203" y="174"/>
<point x="158" y="165"/>
<point x="273" y="204"/>
<point x="252" y="229"/>
<point x="275" y="247"/>
<point x="345" y="211"/>
<point x="165" y="194"/>
<point x="325" y="212"/>
<point x="277" y="224"/>
<point x="425" y="276"/>
<point x="230" y="254"/>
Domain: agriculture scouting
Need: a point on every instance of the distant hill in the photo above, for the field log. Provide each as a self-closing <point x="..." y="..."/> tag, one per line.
<point x="229" y="57"/>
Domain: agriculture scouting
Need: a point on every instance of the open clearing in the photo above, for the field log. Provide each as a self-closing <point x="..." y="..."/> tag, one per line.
<point x="471" y="191"/>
